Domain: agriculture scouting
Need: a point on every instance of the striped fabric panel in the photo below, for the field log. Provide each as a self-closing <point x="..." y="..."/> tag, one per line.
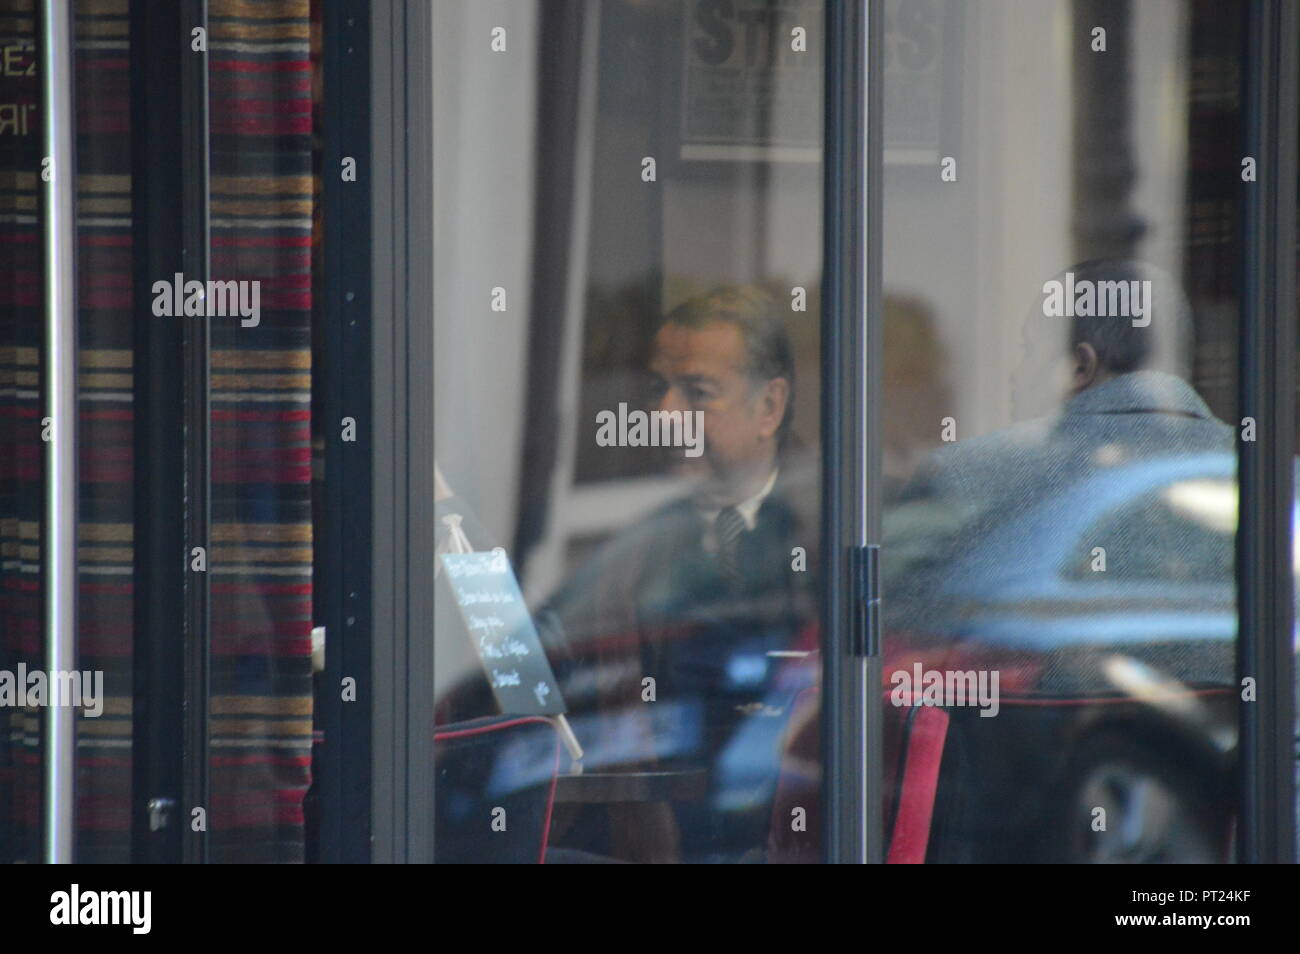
<point x="104" y="327"/>
<point x="104" y="546"/>
<point x="21" y="463"/>
<point x="261" y="555"/>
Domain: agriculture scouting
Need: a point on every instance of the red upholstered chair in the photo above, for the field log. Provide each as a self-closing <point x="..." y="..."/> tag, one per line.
<point x="922" y="754"/>
<point x="915" y="747"/>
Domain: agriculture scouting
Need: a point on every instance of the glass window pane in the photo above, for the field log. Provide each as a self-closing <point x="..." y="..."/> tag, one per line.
<point x="1061" y="261"/>
<point x="627" y="255"/>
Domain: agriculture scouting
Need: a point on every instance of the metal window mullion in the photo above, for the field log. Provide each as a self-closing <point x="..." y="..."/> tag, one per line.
<point x="870" y="406"/>
<point x="417" y="373"/>
<point x="59" y="552"/>
<point x="1265" y="583"/>
<point x="850" y="433"/>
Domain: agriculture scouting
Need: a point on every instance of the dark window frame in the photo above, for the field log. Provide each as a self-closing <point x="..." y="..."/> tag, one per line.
<point x="342" y="537"/>
<point x="401" y="426"/>
<point x="1266" y="466"/>
<point x="169" y="102"/>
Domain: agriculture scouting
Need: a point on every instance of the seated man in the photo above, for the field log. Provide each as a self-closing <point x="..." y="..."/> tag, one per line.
<point x="672" y="627"/>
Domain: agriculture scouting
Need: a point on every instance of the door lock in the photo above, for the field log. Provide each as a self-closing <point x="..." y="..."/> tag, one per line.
<point x="160" y="810"/>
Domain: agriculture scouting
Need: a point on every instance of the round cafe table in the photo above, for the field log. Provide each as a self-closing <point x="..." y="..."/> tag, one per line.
<point x="607" y="788"/>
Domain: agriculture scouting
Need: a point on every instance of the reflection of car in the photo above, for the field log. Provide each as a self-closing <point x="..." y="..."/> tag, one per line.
<point x="1115" y="687"/>
<point x="1109" y="614"/>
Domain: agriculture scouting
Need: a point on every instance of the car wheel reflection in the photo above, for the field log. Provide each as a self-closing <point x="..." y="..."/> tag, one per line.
<point x="1153" y="813"/>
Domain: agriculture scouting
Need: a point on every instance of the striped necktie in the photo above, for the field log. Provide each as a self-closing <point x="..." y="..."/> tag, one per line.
<point x="729" y="526"/>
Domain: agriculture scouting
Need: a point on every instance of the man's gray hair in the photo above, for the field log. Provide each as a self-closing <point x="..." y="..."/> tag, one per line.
<point x="761" y="323"/>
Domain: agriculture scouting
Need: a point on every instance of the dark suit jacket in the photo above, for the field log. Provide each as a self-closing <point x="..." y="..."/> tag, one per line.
<point x="1139" y="415"/>
<point x="653" y="603"/>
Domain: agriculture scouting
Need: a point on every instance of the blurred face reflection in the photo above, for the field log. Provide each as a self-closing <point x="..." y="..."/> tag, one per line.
<point x="704" y="369"/>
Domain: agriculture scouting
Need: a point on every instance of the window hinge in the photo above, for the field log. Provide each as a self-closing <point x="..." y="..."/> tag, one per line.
<point x="865" y="568"/>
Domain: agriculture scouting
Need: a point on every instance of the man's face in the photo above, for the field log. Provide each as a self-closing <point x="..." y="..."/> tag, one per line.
<point x="703" y="369"/>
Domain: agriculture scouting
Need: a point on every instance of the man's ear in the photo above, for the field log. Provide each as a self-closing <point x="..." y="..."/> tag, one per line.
<point x="1086" y="364"/>
<point x="772" y="402"/>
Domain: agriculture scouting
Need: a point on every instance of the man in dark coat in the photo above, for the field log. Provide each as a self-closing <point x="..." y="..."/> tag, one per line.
<point x="966" y="571"/>
<point x="1117" y="412"/>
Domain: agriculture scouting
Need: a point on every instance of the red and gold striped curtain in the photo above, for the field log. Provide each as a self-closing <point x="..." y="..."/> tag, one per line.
<point x="260" y="79"/>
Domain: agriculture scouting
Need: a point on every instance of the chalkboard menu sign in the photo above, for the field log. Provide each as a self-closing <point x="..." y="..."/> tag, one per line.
<point x="502" y="633"/>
